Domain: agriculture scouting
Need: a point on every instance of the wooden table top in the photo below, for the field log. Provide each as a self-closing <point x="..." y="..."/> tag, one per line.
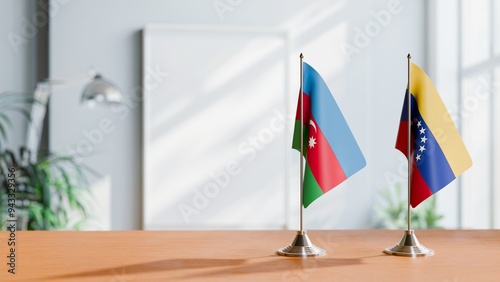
<point x="353" y="255"/>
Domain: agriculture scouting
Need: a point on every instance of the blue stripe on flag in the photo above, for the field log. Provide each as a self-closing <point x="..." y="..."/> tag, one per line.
<point x="430" y="159"/>
<point x="332" y="123"/>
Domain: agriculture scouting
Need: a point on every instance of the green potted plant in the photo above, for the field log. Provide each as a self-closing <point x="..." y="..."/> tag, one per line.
<point x="50" y="193"/>
<point x="392" y="212"/>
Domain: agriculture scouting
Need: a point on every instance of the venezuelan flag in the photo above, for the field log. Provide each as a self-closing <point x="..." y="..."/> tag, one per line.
<point x="438" y="152"/>
<point x="332" y="154"/>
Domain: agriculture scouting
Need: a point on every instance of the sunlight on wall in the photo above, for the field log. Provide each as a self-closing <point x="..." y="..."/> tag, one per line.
<point x="208" y="154"/>
<point x="218" y="133"/>
<point x="100" y="213"/>
<point x="230" y="97"/>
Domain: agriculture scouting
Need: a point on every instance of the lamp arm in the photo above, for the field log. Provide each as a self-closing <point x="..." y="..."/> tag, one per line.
<point x="75" y="80"/>
<point x="39" y="108"/>
<point x="98" y="87"/>
<point x="38" y="111"/>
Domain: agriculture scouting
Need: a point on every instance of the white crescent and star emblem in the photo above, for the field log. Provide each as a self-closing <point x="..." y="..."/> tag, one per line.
<point x="312" y="140"/>
<point x="313" y="125"/>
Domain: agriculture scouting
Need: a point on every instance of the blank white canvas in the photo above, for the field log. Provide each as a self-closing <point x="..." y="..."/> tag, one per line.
<point x="215" y="128"/>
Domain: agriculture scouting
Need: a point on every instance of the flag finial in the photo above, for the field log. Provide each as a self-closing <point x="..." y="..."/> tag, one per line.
<point x="409" y="56"/>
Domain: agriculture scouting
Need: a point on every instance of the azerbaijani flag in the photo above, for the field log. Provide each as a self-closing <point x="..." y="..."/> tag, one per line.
<point x="438" y="153"/>
<point x="332" y="154"/>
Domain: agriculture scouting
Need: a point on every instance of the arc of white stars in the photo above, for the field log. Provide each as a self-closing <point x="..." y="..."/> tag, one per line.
<point x="423" y="140"/>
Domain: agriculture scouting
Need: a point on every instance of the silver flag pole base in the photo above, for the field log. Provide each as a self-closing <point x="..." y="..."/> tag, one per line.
<point x="301" y="247"/>
<point x="409" y="247"/>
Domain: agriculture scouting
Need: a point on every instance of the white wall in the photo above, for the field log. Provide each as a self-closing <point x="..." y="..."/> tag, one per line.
<point x="18" y="57"/>
<point x="468" y="89"/>
<point x="368" y="85"/>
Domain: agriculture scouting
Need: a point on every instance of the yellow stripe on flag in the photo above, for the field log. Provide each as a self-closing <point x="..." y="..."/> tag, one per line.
<point x="438" y="120"/>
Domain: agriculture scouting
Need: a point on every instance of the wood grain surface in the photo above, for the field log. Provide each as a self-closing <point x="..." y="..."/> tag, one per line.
<point x="353" y="255"/>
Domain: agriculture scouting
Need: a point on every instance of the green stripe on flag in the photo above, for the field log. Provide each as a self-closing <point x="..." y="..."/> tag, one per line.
<point x="296" y="136"/>
<point x="312" y="191"/>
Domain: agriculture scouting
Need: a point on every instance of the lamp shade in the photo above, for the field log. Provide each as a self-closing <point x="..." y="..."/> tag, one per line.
<point x="102" y="91"/>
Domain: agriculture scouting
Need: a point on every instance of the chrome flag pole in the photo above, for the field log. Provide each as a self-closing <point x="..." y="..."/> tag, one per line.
<point x="301" y="245"/>
<point x="409" y="245"/>
<point x="301" y="172"/>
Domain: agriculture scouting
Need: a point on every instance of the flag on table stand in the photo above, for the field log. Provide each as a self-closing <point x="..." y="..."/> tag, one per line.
<point x="435" y="152"/>
<point x="324" y="139"/>
<point x="438" y="153"/>
<point x="332" y="154"/>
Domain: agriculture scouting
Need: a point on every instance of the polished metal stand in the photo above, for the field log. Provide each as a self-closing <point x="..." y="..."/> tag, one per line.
<point x="301" y="247"/>
<point x="409" y="247"/>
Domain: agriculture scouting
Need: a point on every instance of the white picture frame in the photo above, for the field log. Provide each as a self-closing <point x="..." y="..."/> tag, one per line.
<point x="225" y="86"/>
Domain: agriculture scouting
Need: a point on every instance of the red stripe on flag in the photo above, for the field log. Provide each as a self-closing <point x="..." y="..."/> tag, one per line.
<point x="322" y="160"/>
<point x="419" y="189"/>
<point x="402" y="139"/>
<point x="307" y="109"/>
